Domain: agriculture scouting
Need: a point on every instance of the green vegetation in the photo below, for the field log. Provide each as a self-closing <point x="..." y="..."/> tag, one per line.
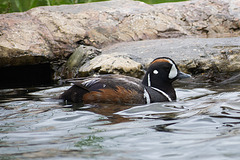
<point x="90" y="141"/>
<point x="160" y="1"/>
<point x="9" y="6"/>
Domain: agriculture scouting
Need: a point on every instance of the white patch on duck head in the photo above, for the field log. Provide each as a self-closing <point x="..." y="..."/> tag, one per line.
<point x="173" y="71"/>
<point x="155" y="71"/>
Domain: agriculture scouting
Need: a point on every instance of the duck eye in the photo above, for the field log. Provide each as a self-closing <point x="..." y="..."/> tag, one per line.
<point x="155" y="72"/>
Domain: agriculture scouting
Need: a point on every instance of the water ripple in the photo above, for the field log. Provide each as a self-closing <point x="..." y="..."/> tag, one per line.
<point x="203" y="123"/>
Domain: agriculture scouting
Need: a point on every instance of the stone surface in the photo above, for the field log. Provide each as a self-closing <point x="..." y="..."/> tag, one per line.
<point x="214" y="58"/>
<point x="209" y="59"/>
<point x="46" y="34"/>
<point x="117" y="63"/>
<point x="82" y="55"/>
<point x="210" y="18"/>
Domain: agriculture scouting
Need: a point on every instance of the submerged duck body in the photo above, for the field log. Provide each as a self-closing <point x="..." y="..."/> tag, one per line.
<point x="156" y="86"/>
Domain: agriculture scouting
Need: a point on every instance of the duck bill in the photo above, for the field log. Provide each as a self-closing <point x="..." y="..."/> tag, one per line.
<point x="182" y="75"/>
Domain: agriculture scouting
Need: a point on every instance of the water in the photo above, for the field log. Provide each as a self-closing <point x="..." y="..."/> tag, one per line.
<point x="203" y="124"/>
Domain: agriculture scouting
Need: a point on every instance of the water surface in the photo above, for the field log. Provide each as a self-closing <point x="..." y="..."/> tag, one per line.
<point x="203" y="124"/>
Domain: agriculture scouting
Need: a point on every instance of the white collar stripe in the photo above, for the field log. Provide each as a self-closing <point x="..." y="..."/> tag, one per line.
<point x="146" y="96"/>
<point x="163" y="93"/>
<point x="149" y="80"/>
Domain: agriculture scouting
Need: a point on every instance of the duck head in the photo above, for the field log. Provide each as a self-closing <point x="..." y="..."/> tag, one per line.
<point x="161" y="73"/>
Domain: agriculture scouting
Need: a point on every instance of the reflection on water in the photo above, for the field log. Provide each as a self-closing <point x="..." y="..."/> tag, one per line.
<point x="203" y="124"/>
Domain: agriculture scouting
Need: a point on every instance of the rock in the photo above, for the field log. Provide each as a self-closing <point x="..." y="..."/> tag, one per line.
<point x="82" y="55"/>
<point x="46" y="34"/>
<point x="208" y="59"/>
<point x="211" y="18"/>
<point x="212" y="59"/>
<point x="117" y="63"/>
<point x="234" y="8"/>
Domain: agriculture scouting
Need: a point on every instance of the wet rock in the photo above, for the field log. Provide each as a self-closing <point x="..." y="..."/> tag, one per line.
<point x="82" y="55"/>
<point x="209" y="59"/>
<point x="46" y="34"/>
<point x="87" y="60"/>
<point x="117" y="63"/>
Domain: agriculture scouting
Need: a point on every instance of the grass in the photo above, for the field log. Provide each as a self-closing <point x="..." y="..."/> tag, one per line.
<point x="160" y="1"/>
<point x="9" y="6"/>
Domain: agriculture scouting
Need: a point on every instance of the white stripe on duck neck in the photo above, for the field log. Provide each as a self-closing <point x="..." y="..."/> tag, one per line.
<point x="163" y="93"/>
<point x="147" y="96"/>
<point x="149" y="80"/>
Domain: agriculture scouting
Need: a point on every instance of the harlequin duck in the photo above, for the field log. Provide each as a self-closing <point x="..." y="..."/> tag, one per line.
<point x="156" y="86"/>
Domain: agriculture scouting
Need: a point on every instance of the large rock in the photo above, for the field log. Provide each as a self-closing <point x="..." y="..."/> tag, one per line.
<point x="117" y="63"/>
<point x="87" y="60"/>
<point x="209" y="18"/>
<point x="47" y="34"/>
<point x="210" y="59"/>
<point x="81" y="56"/>
<point x="213" y="59"/>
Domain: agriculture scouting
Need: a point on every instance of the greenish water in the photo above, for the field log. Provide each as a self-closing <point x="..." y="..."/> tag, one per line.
<point x="8" y="6"/>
